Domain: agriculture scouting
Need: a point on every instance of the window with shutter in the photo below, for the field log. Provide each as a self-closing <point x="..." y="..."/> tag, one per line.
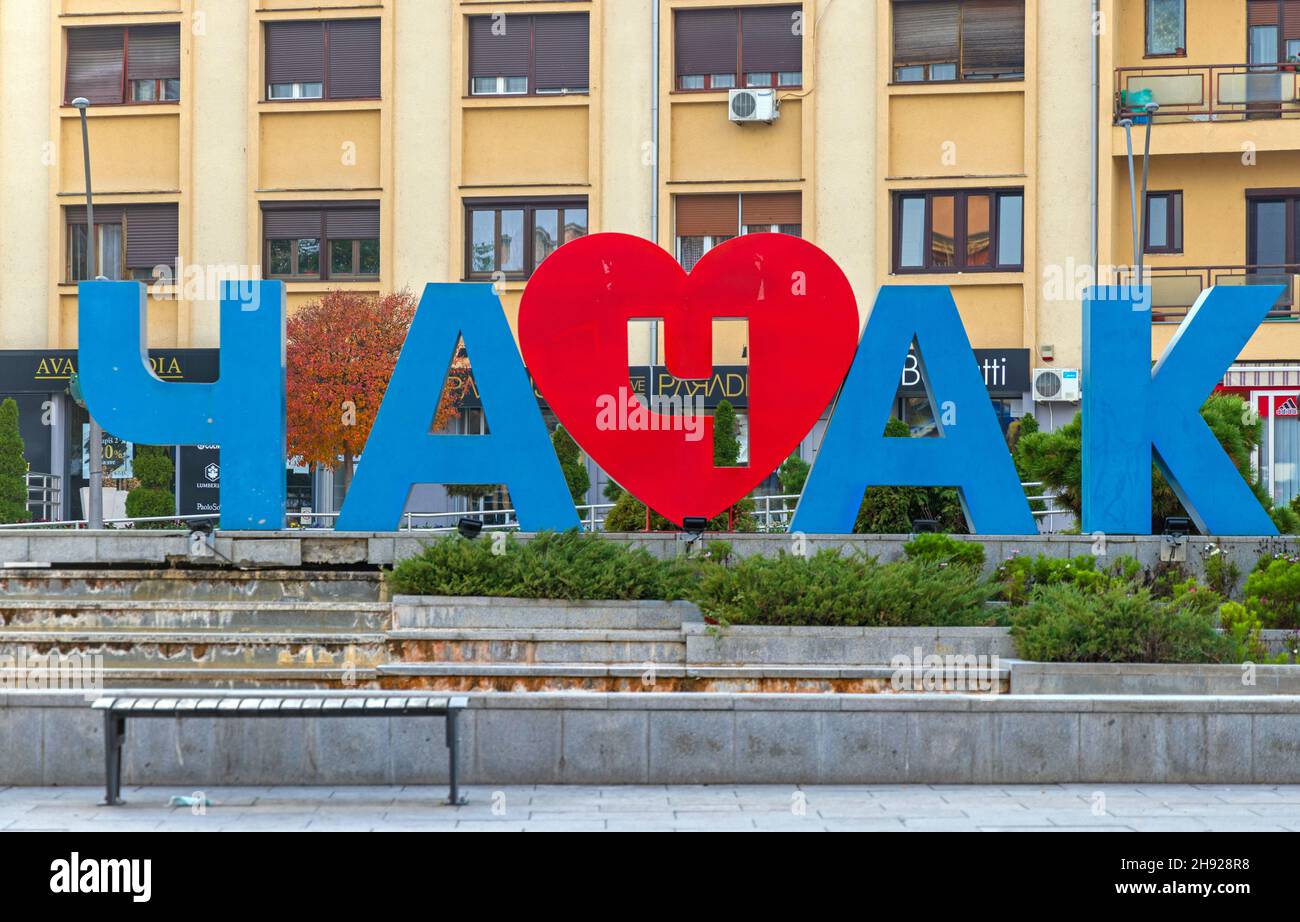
<point x="323" y="59"/>
<point x="719" y="49"/>
<point x="706" y="221"/>
<point x="96" y="64"/>
<point x="132" y="240"/>
<point x="517" y="55"/>
<point x="153" y="63"/>
<point x="946" y="40"/>
<point x="320" y="240"/>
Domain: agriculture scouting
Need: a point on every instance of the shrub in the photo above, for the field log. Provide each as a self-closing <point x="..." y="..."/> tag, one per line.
<point x="13" y="467"/>
<point x="892" y="510"/>
<point x="1019" y="575"/>
<point x="829" y="589"/>
<point x="154" y="472"/>
<point x="793" y="474"/>
<point x="1221" y="574"/>
<point x="1273" y="593"/>
<point x="945" y="549"/>
<point x="571" y="463"/>
<point x="1244" y="629"/>
<point x="572" y="566"/>
<point x="1068" y="623"/>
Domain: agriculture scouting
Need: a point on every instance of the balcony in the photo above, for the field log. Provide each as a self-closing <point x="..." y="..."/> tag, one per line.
<point x="1208" y="93"/>
<point x="1174" y="289"/>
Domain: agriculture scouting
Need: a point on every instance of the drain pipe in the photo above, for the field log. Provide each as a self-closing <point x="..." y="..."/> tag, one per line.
<point x="1096" y="140"/>
<point x="654" y="163"/>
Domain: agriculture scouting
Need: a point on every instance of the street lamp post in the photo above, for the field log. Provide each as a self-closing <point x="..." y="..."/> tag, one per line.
<point x="95" y="514"/>
<point x="1139" y="203"/>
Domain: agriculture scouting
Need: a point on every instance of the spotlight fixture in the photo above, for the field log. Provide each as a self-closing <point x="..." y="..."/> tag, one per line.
<point x="924" y="526"/>
<point x="469" y="528"/>
<point x="1178" y="526"/>
<point x="695" y="525"/>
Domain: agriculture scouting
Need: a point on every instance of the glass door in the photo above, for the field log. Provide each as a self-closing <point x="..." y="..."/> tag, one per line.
<point x="1271" y="237"/>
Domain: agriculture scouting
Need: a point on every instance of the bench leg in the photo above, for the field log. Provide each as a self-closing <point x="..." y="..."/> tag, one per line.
<point x="454" y="798"/>
<point x="114" y="736"/>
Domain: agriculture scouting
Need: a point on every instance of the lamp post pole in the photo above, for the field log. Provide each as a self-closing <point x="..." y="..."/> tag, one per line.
<point x="95" y="450"/>
<point x="1139" y="203"/>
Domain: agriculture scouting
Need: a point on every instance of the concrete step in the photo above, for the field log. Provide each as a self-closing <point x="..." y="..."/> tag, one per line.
<point x="210" y="677"/>
<point x="192" y="585"/>
<point x="538" y="646"/>
<point x="435" y="613"/>
<point x="165" y="649"/>
<point x="86" y="614"/>
<point x="536" y="677"/>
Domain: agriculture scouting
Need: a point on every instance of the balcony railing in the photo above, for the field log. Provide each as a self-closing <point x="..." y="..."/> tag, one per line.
<point x="1208" y="93"/>
<point x="1174" y="289"/>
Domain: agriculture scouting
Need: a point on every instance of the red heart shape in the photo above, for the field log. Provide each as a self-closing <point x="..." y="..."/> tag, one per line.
<point x="573" y="331"/>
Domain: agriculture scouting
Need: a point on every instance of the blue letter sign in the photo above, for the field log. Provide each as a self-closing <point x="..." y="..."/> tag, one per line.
<point x="401" y="450"/>
<point x="971" y="455"/>
<point x="243" y="411"/>
<point x="1132" y="415"/>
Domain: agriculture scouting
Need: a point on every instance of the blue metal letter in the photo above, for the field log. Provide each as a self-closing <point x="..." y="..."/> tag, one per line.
<point x="402" y="450"/>
<point x="1131" y="413"/>
<point x="243" y="411"/>
<point x="971" y="455"/>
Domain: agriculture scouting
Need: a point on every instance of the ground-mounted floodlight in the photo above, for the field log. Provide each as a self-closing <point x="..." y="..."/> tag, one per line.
<point x="469" y="529"/>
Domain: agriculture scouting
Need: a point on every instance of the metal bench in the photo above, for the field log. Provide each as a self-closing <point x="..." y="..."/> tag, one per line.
<point x="117" y="710"/>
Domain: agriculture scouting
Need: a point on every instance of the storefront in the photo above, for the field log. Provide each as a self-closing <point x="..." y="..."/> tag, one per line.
<point x="1273" y="390"/>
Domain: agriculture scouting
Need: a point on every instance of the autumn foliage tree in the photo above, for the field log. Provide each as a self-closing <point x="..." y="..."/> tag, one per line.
<point x="340" y="355"/>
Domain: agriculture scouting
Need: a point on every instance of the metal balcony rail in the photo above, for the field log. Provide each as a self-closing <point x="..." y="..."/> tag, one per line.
<point x="1174" y="289"/>
<point x="772" y="515"/>
<point x="44" y="495"/>
<point x="1208" y="92"/>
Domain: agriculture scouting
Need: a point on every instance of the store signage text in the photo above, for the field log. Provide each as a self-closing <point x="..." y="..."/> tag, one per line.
<point x="805" y="353"/>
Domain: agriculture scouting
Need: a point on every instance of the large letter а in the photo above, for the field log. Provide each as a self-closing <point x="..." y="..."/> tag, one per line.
<point x="403" y="452"/>
<point x="243" y="411"/>
<point x="1131" y="413"/>
<point x="972" y="453"/>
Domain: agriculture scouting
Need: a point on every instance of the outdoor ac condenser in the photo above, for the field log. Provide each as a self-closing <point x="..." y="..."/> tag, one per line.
<point x="753" y="105"/>
<point x="1057" y="385"/>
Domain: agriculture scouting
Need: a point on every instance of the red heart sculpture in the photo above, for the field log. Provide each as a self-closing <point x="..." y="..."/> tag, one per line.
<point x="573" y="330"/>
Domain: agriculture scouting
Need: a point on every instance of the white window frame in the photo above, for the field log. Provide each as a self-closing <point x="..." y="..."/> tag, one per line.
<point x="298" y="91"/>
<point x="501" y="86"/>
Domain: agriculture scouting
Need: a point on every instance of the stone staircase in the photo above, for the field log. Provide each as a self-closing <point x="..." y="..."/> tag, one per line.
<point x="217" y="628"/>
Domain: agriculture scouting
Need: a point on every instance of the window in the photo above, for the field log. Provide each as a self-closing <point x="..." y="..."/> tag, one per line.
<point x="959" y="231"/>
<point x="518" y="55"/>
<point x="337" y="240"/>
<point x="943" y="40"/>
<point x="323" y="59"/>
<point x="111" y="65"/>
<point x="1164" y="222"/>
<point x="705" y="221"/>
<point x="513" y="237"/>
<point x="721" y="49"/>
<point x="1166" y="27"/>
<point x="131" y="241"/>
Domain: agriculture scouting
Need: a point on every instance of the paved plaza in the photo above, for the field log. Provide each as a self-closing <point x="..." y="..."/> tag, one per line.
<point x="899" y="808"/>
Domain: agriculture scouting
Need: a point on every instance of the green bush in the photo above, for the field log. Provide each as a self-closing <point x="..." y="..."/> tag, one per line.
<point x="153" y="469"/>
<point x="1019" y="575"/>
<point x="571" y="463"/>
<point x="1245" y="630"/>
<point x="571" y="566"/>
<point x="13" y="467"/>
<point x="829" y="589"/>
<point x="1221" y="574"/>
<point x="1272" y="592"/>
<point x="945" y="549"/>
<point x="892" y="510"/>
<point x="1068" y="623"/>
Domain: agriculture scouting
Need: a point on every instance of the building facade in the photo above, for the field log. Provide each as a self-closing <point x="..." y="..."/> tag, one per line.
<point x="375" y="145"/>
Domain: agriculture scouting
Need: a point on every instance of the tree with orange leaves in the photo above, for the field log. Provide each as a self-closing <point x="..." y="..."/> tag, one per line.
<point x="340" y="355"/>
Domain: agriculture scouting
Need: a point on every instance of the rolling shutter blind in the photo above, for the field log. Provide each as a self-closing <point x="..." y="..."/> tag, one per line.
<point x="95" y="57"/>
<point x="993" y="36"/>
<point x="925" y="31"/>
<point x="354" y="59"/>
<point x="104" y="214"/>
<point x="294" y="224"/>
<point x="770" y="42"/>
<point x="708" y="216"/>
<point x="708" y="41"/>
<point x="766" y="208"/>
<point x="295" y="52"/>
<point x="1261" y="13"/>
<point x="503" y="55"/>
<point x="152" y="236"/>
<point x="154" y="53"/>
<point x="352" y="224"/>
<point x="1291" y="20"/>
<point x="560" y="43"/>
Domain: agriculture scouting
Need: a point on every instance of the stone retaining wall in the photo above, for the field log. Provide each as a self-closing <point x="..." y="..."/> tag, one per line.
<point x="54" y="739"/>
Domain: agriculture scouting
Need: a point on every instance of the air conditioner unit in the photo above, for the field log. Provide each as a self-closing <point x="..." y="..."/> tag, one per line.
<point x="1057" y="385"/>
<point x="744" y="106"/>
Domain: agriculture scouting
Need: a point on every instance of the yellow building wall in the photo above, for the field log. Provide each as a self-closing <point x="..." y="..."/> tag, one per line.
<point x="315" y="150"/>
<point x="945" y="132"/>
<point x="504" y="144"/>
<point x="706" y="147"/>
